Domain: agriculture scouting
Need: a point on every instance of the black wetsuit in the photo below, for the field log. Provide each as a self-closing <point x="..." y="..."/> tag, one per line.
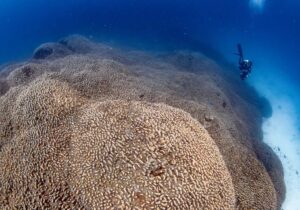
<point x="245" y="68"/>
<point x="245" y="65"/>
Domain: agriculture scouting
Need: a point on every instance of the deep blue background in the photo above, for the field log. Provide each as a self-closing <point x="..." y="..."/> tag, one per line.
<point x="270" y="36"/>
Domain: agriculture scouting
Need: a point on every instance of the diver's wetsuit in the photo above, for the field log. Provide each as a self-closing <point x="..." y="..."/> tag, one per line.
<point x="245" y="65"/>
<point x="245" y="68"/>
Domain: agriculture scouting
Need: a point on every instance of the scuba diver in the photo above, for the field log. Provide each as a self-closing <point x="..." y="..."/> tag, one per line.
<point x="245" y="66"/>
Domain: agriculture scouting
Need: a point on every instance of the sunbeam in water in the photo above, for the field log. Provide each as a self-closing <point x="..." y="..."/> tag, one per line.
<point x="257" y="4"/>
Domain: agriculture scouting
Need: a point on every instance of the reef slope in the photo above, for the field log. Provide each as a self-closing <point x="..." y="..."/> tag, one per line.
<point x="177" y="103"/>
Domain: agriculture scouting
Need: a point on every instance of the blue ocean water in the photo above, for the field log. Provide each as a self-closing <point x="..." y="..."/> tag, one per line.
<point x="268" y="29"/>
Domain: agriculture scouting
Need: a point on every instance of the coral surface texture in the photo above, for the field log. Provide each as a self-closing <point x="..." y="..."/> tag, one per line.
<point x="84" y="125"/>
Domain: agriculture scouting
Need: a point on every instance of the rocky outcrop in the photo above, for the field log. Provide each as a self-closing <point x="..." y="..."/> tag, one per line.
<point x="230" y="112"/>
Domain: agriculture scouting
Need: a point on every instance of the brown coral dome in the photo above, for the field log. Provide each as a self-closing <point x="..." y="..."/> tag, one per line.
<point x="53" y="107"/>
<point x="69" y="152"/>
<point x="132" y="154"/>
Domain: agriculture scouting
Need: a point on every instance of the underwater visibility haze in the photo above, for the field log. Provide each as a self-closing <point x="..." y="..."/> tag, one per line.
<point x="170" y="37"/>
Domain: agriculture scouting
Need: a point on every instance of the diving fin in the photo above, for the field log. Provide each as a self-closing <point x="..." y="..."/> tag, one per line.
<point x="240" y="50"/>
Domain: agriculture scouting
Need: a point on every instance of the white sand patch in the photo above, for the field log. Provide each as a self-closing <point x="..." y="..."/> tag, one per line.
<point x="282" y="133"/>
